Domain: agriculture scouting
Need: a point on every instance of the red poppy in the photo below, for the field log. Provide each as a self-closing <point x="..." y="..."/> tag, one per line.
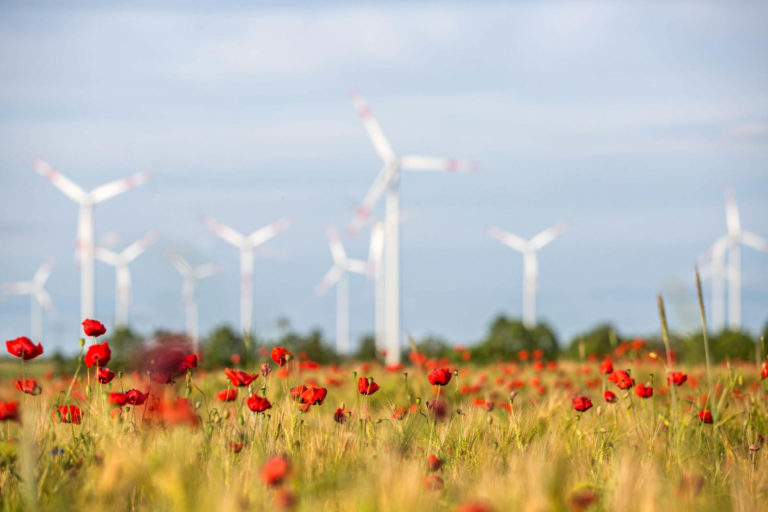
<point x="606" y="367"/>
<point x="678" y="378"/>
<point x="474" y="506"/>
<point x="93" y="328"/>
<point x="366" y="386"/>
<point x="705" y="416"/>
<point x="98" y="354"/>
<point x="235" y="447"/>
<point x="764" y="372"/>
<point x="284" y="499"/>
<point x="621" y="379"/>
<point x="522" y="355"/>
<point x="24" y="348"/>
<point x="440" y="376"/>
<point x="582" y="403"/>
<point x="105" y="375"/>
<point x="433" y="483"/>
<point x="240" y="378"/>
<point x="136" y="397"/>
<point x="644" y="391"/>
<point x="281" y="355"/>
<point x="227" y="395"/>
<point x="399" y="413"/>
<point x="188" y="363"/>
<point x="417" y="358"/>
<point x="9" y="411"/>
<point x="28" y="386"/>
<point x="609" y="396"/>
<point x="275" y="470"/>
<point x="117" y="399"/>
<point x="538" y="354"/>
<point x="340" y="415"/>
<point x="177" y="412"/>
<point x="297" y="391"/>
<point x="434" y="462"/>
<point x="68" y="414"/>
<point x="258" y="403"/>
<point x="313" y="396"/>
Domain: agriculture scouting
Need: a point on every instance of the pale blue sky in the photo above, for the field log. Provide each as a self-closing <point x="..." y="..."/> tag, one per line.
<point x="625" y="119"/>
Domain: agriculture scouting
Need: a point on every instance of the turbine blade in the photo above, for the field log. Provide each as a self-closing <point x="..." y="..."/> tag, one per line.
<point x="70" y="189"/>
<point x="380" y="142"/>
<point x="337" y="250"/>
<point x="329" y="279"/>
<point x="110" y="190"/>
<point x="754" y="241"/>
<point x="358" y="267"/>
<point x="731" y="211"/>
<point x="180" y="263"/>
<point x="508" y="239"/>
<point x="260" y="236"/>
<point x="44" y="272"/>
<point x="224" y="231"/>
<point x="717" y="250"/>
<point x="371" y="198"/>
<point x="19" y="288"/>
<point x="133" y="251"/>
<point x="429" y="163"/>
<point x="548" y="235"/>
<point x="376" y="246"/>
<point x="207" y="270"/>
<point x="42" y="297"/>
<point x="107" y="256"/>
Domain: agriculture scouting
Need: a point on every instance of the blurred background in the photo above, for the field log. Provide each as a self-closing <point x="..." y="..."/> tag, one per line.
<point x="626" y="120"/>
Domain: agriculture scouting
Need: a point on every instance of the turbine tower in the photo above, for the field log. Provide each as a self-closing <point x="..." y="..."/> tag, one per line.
<point x="388" y="180"/>
<point x="338" y="275"/>
<point x="84" y="244"/>
<point x="120" y="261"/>
<point x="375" y="263"/>
<point x="530" y="263"/>
<point x="191" y="276"/>
<point x="712" y="266"/>
<point x="246" y="244"/>
<point x="38" y="295"/>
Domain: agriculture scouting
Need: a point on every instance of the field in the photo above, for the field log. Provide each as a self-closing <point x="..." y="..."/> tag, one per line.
<point x="507" y="436"/>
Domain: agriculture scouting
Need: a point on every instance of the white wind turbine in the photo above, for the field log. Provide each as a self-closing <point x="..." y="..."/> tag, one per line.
<point x="84" y="244"/>
<point x="530" y="262"/>
<point x="338" y="275"/>
<point x="246" y="244"/>
<point x="375" y="262"/>
<point x="120" y="261"/>
<point x="191" y="276"/>
<point x="712" y="266"/>
<point x="38" y="295"/>
<point x="388" y="180"/>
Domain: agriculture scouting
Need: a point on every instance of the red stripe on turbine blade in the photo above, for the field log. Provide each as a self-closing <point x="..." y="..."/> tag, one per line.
<point x="452" y="165"/>
<point x="363" y="212"/>
<point x="365" y="112"/>
<point x="129" y="182"/>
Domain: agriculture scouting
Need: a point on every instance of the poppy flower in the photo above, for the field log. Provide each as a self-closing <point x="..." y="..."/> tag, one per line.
<point x="284" y="499"/>
<point x="188" y="363"/>
<point x="68" y="414"/>
<point x="297" y="391"/>
<point x="9" y="411"/>
<point x="177" y="412"/>
<point x="705" y="416"/>
<point x="136" y="397"/>
<point x="105" y="375"/>
<point x="240" y="378"/>
<point x="678" y="378"/>
<point x="24" y="348"/>
<point x="606" y="367"/>
<point x="474" y="506"/>
<point x="340" y="415"/>
<point x="644" y="391"/>
<point x="313" y="396"/>
<point x="622" y="379"/>
<point x="582" y="403"/>
<point x="258" y="403"/>
<point x="433" y="483"/>
<point x="235" y="447"/>
<point x="281" y="355"/>
<point x="440" y="376"/>
<point x="98" y="354"/>
<point x="265" y="369"/>
<point x="609" y="396"/>
<point x="764" y="372"/>
<point x="399" y="413"/>
<point x="366" y="386"/>
<point x="28" y="386"/>
<point x="434" y="462"/>
<point x="227" y="395"/>
<point x="117" y="399"/>
<point x="275" y="470"/>
<point x="93" y="328"/>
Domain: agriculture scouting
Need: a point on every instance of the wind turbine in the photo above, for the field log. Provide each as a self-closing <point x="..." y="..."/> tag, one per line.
<point x="84" y="244"/>
<point x="38" y="296"/>
<point x="735" y="238"/>
<point x="120" y="261"/>
<point x="388" y="180"/>
<point x="246" y="244"/>
<point x="338" y="275"/>
<point x="375" y="262"/>
<point x="191" y="276"/>
<point x="530" y="262"/>
<point x="712" y="266"/>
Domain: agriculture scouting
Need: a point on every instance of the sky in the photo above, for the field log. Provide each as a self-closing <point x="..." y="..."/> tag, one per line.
<point x="627" y="120"/>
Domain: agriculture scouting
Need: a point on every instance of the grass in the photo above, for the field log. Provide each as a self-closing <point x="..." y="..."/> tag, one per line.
<point x="541" y="455"/>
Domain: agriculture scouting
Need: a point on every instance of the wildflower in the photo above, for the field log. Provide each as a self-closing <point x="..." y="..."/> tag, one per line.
<point x="433" y="483"/>
<point x="258" y="403"/>
<point x="609" y="396"/>
<point x="265" y="369"/>
<point x="68" y="414"/>
<point x="439" y="376"/>
<point x="764" y="372"/>
<point x="24" y="348"/>
<point x="434" y="462"/>
<point x="281" y="355"/>
<point x="705" y="416"/>
<point x="227" y="395"/>
<point x="399" y="413"/>
<point x="582" y="500"/>
<point x="474" y="506"/>
<point x="313" y="396"/>
<point x="9" y="411"/>
<point x="275" y="470"/>
<point x="93" y="328"/>
<point x="28" y="386"/>
<point x="235" y="447"/>
<point x="622" y="379"/>
<point x="240" y="378"/>
<point x="340" y="415"/>
<point x="366" y="386"/>
<point x="119" y="399"/>
<point x="188" y="363"/>
<point x="678" y="378"/>
<point x="105" y="375"/>
<point x="136" y="397"/>
<point x="644" y="391"/>
<point x="98" y="354"/>
<point x="582" y="403"/>
<point x="606" y="367"/>
<point x="284" y="499"/>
